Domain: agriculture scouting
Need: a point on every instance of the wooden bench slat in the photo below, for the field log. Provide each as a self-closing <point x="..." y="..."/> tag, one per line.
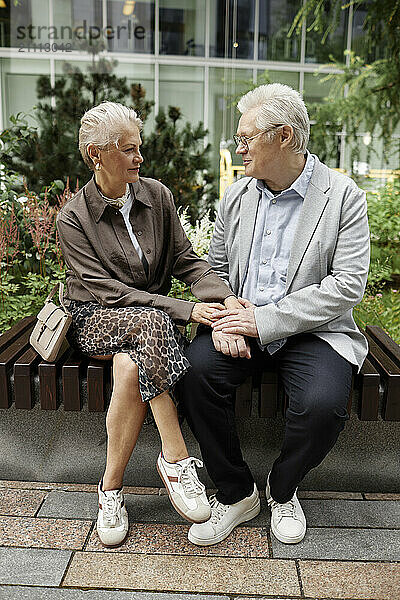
<point x="268" y="403"/>
<point x="243" y="398"/>
<point x="9" y="336"/>
<point x="95" y="385"/>
<point x="7" y="359"/>
<point x="385" y="342"/>
<point x="391" y="377"/>
<point x="369" y="379"/>
<point x="48" y="373"/>
<point x="71" y="371"/>
<point x="23" y="371"/>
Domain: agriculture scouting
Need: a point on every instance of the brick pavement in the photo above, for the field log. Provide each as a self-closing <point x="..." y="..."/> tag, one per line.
<point x="49" y="550"/>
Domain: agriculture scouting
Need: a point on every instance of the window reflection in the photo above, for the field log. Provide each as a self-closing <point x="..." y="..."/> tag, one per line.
<point x="77" y="21"/>
<point x="226" y="86"/>
<point x="182" y="27"/>
<point x="184" y="88"/>
<point x="131" y="26"/>
<point x="24" y="24"/>
<point x="276" y="17"/>
<point x="359" y="44"/>
<point x="232" y="28"/>
<point x="335" y="43"/>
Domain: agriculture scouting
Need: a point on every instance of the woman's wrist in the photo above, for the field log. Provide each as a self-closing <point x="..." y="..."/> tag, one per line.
<point x="232" y="302"/>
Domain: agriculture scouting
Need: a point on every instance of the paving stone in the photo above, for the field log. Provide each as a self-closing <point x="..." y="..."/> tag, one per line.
<point x="185" y="574"/>
<point x="352" y="513"/>
<point x="141" y="508"/>
<point x="83" y="505"/>
<point x="32" y="566"/>
<point x="71" y="487"/>
<point x="250" y="542"/>
<point x="316" y="495"/>
<point x="342" y="544"/>
<point x="20" y="502"/>
<point x="39" y="593"/>
<point x="366" y="581"/>
<point x="382" y="496"/>
<point x="43" y="533"/>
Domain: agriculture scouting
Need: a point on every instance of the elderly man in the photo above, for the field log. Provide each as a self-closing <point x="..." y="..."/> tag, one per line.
<point x="292" y="241"/>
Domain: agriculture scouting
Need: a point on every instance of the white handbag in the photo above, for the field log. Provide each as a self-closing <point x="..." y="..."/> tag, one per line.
<point x="48" y="335"/>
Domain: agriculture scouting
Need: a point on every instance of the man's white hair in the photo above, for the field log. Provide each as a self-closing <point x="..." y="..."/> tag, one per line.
<point x="103" y="125"/>
<point x="279" y="104"/>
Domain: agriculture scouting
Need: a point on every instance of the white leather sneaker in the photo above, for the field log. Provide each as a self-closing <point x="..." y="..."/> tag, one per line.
<point x="288" y="521"/>
<point x="185" y="490"/>
<point x="112" y="520"/>
<point x="224" y="518"/>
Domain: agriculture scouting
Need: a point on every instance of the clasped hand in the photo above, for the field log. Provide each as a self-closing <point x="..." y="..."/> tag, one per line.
<point x="231" y="328"/>
<point x="239" y="321"/>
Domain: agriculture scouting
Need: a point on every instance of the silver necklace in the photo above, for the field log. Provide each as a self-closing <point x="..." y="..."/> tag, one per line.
<point x="117" y="202"/>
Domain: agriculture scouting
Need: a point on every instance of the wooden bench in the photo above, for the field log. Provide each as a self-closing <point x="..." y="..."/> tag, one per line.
<point x="74" y="380"/>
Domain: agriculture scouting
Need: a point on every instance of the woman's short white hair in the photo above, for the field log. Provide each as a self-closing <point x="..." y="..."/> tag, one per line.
<point x="279" y="104"/>
<point x="103" y="125"/>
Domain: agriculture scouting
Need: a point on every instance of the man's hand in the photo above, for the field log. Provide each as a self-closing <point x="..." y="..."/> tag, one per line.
<point x="238" y="321"/>
<point x="231" y="345"/>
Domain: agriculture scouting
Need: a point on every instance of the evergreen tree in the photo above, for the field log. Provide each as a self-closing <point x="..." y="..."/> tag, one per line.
<point x="176" y="156"/>
<point x="174" y="153"/>
<point x="365" y="95"/>
<point x="49" y="151"/>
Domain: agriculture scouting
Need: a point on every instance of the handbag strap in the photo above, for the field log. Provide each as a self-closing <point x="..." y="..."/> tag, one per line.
<point x="60" y="287"/>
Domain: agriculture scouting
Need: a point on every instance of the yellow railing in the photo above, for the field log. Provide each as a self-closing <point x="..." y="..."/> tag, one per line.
<point x="229" y="173"/>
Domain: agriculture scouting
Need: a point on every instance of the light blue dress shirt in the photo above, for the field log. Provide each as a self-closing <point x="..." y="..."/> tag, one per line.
<point x="273" y="236"/>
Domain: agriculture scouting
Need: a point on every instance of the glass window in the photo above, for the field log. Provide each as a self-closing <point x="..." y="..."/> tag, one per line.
<point x="182" y="27"/>
<point x="334" y="46"/>
<point x="18" y="81"/>
<point x="225" y="88"/>
<point x="232" y="28"/>
<point x="285" y="77"/>
<point x="183" y="87"/>
<point x="76" y="21"/>
<point x="315" y="90"/>
<point x="358" y="42"/>
<point x="130" y="26"/>
<point x="276" y="17"/>
<point x="25" y="24"/>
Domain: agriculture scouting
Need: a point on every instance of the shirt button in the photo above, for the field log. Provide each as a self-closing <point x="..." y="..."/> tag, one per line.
<point x="148" y="251"/>
<point x="268" y="232"/>
<point x="139" y="232"/>
<point x="261" y="289"/>
<point x="273" y="201"/>
<point x="264" y="262"/>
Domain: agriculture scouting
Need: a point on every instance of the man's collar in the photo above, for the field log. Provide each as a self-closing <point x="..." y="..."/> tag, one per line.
<point x="300" y="184"/>
<point x="97" y="204"/>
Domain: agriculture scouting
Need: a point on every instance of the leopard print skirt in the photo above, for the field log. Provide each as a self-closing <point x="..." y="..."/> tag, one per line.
<point x="147" y="334"/>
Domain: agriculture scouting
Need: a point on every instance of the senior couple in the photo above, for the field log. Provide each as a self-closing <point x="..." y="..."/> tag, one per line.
<point x="287" y="263"/>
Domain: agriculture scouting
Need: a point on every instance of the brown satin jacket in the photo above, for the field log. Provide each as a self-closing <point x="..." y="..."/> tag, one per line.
<point x="103" y="265"/>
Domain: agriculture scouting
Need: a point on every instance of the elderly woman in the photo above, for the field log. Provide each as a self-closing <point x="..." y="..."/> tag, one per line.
<point x="122" y="241"/>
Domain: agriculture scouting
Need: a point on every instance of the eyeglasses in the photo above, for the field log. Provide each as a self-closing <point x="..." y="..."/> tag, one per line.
<point x="242" y="139"/>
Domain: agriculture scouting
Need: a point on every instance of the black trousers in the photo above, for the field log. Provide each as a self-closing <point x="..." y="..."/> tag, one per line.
<point x="317" y="381"/>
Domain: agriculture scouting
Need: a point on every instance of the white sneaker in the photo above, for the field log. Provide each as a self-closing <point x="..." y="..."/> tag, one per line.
<point x="112" y="520"/>
<point x="185" y="490"/>
<point x="224" y="517"/>
<point x="288" y="521"/>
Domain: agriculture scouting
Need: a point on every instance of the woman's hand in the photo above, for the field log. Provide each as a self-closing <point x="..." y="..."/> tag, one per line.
<point x="203" y="312"/>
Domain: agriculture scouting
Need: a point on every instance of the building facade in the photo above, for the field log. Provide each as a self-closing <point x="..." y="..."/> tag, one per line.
<point x="195" y="54"/>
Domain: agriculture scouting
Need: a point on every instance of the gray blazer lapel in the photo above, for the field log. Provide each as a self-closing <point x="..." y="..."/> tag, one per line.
<point x="313" y="206"/>
<point x="248" y="212"/>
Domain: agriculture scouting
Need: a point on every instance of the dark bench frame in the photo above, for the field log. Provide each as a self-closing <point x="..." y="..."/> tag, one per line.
<point x="25" y="377"/>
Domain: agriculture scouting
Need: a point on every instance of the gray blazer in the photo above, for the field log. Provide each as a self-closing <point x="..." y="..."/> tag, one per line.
<point x="328" y="265"/>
